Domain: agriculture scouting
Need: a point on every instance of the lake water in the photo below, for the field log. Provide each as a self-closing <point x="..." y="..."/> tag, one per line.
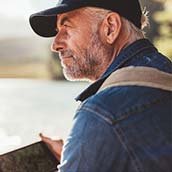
<point x="29" y="107"/>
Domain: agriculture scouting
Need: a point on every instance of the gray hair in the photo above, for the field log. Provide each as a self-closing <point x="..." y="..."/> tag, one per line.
<point x="98" y="15"/>
<point x="132" y="29"/>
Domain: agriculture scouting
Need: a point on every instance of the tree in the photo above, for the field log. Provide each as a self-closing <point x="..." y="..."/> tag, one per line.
<point x="164" y="19"/>
<point x="152" y="7"/>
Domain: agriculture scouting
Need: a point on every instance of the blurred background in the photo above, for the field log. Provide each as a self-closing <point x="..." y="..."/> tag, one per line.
<point x="24" y="54"/>
<point x="34" y="94"/>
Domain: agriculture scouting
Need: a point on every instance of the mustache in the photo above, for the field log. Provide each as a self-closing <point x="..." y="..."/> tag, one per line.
<point x="65" y="53"/>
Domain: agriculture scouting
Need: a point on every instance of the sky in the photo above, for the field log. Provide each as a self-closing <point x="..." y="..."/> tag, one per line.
<point x="23" y="8"/>
<point x="15" y="9"/>
<point x="14" y="16"/>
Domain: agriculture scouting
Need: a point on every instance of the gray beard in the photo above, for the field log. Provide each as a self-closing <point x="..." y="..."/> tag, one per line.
<point x="95" y="58"/>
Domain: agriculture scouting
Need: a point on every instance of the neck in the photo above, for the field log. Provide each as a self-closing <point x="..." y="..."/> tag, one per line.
<point x="121" y="44"/>
<point x="125" y="38"/>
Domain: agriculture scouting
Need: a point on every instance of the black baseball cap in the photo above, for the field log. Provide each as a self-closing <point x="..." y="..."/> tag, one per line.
<point x="44" y="23"/>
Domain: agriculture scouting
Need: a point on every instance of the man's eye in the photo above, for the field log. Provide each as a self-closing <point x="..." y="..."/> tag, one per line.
<point x="66" y="25"/>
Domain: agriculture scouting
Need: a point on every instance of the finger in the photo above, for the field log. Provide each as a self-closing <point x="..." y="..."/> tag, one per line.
<point x="45" y="139"/>
<point x="51" y="142"/>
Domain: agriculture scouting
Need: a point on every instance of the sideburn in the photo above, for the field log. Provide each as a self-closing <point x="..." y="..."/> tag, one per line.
<point x="98" y="57"/>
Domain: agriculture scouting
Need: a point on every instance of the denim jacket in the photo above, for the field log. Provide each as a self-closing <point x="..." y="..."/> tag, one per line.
<point x="124" y="128"/>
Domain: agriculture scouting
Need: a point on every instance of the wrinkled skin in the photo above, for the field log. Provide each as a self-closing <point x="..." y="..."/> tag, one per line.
<point x="83" y="54"/>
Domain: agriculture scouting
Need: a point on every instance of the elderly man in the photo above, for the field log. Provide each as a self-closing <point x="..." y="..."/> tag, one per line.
<point x="123" y="128"/>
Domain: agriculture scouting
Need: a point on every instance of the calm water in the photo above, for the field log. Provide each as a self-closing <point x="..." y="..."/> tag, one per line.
<point x="29" y="107"/>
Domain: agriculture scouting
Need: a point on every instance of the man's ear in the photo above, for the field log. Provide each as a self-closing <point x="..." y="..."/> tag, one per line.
<point x="111" y="27"/>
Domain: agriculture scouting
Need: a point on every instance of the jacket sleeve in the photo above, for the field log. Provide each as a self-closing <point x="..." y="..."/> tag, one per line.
<point x="89" y="145"/>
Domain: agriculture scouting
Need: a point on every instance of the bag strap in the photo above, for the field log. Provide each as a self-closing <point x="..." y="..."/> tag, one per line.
<point x="139" y="76"/>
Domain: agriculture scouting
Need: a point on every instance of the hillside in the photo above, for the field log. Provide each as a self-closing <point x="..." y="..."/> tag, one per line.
<point x="27" y="57"/>
<point x="19" y="50"/>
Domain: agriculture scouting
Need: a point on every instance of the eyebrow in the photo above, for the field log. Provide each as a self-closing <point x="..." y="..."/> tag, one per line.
<point x="64" y="19"/>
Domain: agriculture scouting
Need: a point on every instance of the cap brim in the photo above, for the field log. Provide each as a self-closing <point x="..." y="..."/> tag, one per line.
<point x="44" y="23"/>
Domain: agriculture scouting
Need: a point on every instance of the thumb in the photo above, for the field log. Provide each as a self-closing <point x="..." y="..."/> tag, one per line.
<point x="55" y="146"/>
<point x="46" y="139"/>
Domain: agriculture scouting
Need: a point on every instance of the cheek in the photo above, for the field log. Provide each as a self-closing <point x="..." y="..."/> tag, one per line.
<point x="62" y="36"/>
<point x="76" y="44"/>
<point x="79" y="42"/>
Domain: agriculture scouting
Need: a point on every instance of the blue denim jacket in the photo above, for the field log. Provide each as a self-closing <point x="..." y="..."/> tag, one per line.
<point x="124" y="128"/>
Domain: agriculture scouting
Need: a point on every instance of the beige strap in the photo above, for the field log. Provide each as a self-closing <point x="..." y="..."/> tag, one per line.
<point x="139" y="76"/>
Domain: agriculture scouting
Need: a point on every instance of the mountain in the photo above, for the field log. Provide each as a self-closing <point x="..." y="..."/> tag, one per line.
<point x="24" y="49"/>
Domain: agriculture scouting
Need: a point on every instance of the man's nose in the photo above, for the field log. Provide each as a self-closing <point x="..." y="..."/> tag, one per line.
<point x="57" y="45"/>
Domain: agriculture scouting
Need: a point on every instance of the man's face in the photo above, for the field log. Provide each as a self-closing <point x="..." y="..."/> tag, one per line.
<point x="78" y="42"/>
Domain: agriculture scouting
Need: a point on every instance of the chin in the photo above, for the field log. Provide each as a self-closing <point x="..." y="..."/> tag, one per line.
<point x="71" y="77"/>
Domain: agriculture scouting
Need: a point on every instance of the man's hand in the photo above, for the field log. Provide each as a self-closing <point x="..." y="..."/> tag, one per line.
<point x="55" y="146"/>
